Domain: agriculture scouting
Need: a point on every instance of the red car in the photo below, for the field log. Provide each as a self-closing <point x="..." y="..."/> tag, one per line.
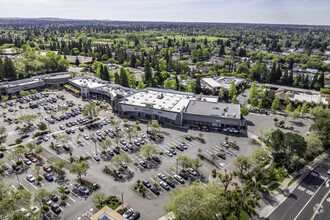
<point x="33" y="159"/>
<point x="47" y="169"/>
<point x="223" y="156"/>
<point x="152" y="137"/>
<point x="16" y="167"/>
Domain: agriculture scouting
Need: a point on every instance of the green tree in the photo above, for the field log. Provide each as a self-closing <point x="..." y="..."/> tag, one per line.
<point x="17" y="154"/>
<point x="42" y="126"/>
<point x="121" y="158"/>
<point x="288" y="108"/>
<point x="98" y="198"/>
<point x="314" y="146"/>
<point x="91" y="110"/>
<point x="147" y="150"/>
<point x="304" y="108"/>
<point x="253" y="92"/>
<point x="131" y="132"/>
<point x="105" y="144"/>
<point x="232" y="89"/>
<point x="28" y="118"/>
<point x="198" y="88"/>
<point x="4" y="98"/>
<point x="41" y="197"/>
<point x="64" y="139"/>
<point x="79" y="168"/>
<point x="123" y="77"/>
<point x="31" y="146"/>
<point x="221" y="94"/>
<point x="244" y="110"/>
<point x="242" y="164"/>
<point x="275" y="104"/>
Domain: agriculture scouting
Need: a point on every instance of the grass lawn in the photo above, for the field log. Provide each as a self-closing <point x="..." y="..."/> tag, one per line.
<point x="243" y="216"/>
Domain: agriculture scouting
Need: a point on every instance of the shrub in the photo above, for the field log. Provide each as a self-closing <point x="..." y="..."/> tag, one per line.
<point x="161" y="153"/>
<point x="45" y="208"/>
<point x="19" y="162"/>
<point x="39" y="178"/>
<point x="64" y="197"/>
<point x="18" y="141"/>
<point x="125" y="120"/>
<point x="1" y="170"/>
<point x="136" y="164"/>
<point x="156" y="185"/>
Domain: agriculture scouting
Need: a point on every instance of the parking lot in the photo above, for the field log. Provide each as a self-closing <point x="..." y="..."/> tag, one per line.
<point x="150" y="207"/>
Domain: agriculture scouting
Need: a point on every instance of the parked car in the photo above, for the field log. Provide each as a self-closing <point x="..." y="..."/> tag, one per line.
<point x="86" y="137"/>
<point x="164" y="185"/>
<point x="135" y="216"/>
<point x="30" y="178"/>
<point x="56" y="209"/>
<point x="47" y="169"/>
<point x="81" y="129"/>
<point x="116" y="150"/>
<point x="161" y="176"/>
<point x="96" y="157"/>
<point x="123" y="165"/>
<point x="118" y="174"/>
<point x="48" y="177"/>
<point x="110" y="152"/>
<point x="66" y="190"/>
<point x="188" y="138"/>
<point x="179" y="148"/>
<point x="155" y="190"/>
<point x="1" y="155"/>
<point x="33" y="159"/>
<point x="45" y="138"/>
<point x="146" y="183"/>
<point x="183" y="175"/>
<point x="150" y="132"/>
<point x="25" y="136"/>
<point x="192" y="171"/>
<point x="161" y="136"/>
<point x="16" y="167"/>
<point x="54" y="198"/>
<point x="170" y="182"/>
<point x="222" y="156"/>
<point x="143" y="164"/>
<point x="128" y="213"/>
<point x="178" y="178"/>
<point x="27" y="162"/>
<point x="83" y="190"/>
<point x="155" y="158"/>
<point x="168" y="153"/>
<point x="172" y="151"/>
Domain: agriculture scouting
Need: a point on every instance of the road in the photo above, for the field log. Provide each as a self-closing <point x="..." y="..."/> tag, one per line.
<point x="303" y="201"/>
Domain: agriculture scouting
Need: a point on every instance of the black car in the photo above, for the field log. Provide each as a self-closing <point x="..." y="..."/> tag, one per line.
<point x="116" y="150"/>
<point x="135" y="216"/>
<point x="25" y="136"/>
<point x="143" y="164"/>
<point x="160" y="136"/>
<point x="180" y="148"/>
<point x="56" y="209"/>
<point x="188" y="138"/>
<point x="155" y="190"/>
<point x="150" y="132"/>
<point x="155" y="158"/>
<point x="172" y="151"/>
<point x="146" y="183"/>
<point x="118" y="174"/>
<point x="68" y="131"/>
<point x="1" y="155"/>
<point x="81" y="129"/>
<point x="67" y="148"/>
<point x="170" y="182"/>
<point x="54" y="197"/>
<point x="183" y="175"/>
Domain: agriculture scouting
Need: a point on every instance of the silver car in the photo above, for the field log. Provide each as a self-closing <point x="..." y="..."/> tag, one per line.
<point x="30" y="178"/>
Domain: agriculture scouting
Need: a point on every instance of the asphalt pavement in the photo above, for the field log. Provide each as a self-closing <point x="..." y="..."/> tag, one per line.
<point x="305" y="198"/>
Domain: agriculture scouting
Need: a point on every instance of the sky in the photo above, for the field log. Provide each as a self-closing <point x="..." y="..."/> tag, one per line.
<point x="227" y="11"/>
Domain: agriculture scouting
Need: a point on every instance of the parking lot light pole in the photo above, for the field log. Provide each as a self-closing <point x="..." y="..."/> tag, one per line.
<point x="122" y="200"/>
<point x="95" y="147"/>
<point x="48" y="130"/>
<point x="176" y="165"/>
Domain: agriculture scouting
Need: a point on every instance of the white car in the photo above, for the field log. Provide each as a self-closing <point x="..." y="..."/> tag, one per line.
<point x="178" y="178"/>
<point x="30" y="178"/>
<point x="86" y="137"/>
<point x="328" y="172"/>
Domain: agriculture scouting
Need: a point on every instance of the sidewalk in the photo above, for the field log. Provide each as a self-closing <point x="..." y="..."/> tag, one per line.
<point x="280" y="194"/>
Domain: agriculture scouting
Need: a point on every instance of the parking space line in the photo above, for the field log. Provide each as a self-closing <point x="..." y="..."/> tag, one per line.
<point x="31" y="184"/>
<point x="88" y="154"/>
<point x="71" y="198"/>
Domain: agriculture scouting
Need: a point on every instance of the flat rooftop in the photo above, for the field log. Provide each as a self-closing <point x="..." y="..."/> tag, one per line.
<point x="89" y="81"/>
<point x="224" y="110"/>
<point x="222" y="81"/>
<point x="164" y="99"/>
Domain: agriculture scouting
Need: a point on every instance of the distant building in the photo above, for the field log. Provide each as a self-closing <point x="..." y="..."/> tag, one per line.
<point x="106" y="213"/>
<point x="51" y="80"/>
<point x="216" y="83"/>
<point x="298" y="98"/>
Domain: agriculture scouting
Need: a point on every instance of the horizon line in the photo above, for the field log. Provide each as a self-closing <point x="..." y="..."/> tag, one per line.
<point x="207" y="22"/>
